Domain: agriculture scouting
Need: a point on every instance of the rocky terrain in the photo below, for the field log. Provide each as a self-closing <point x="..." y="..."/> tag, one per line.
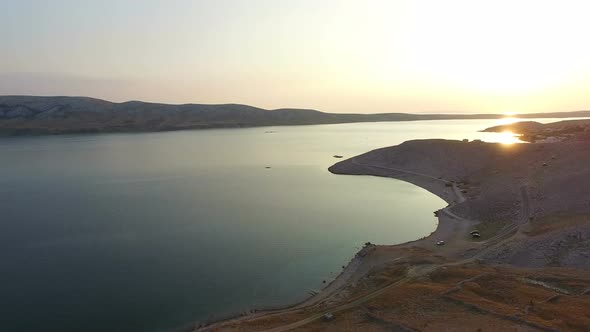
<point x="532" y="131"/>
<point x="527" y="270"/>
<point x="31" y="115"/>
<point x="542" y="188"/>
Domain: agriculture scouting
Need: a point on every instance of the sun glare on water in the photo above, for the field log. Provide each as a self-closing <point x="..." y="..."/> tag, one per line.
<point x="507" y="138"/>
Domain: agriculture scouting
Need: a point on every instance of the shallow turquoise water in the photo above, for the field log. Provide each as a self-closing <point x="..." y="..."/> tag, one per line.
<point x="146" y="232"/>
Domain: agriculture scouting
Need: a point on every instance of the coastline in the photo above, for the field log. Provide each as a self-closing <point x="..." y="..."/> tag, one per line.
<point x="449" y="225"/>
<point x="531" y="223"/>
<point x="52" y="115"/>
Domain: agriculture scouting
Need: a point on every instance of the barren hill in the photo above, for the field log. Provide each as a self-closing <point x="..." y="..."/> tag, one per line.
<point x="23" y="115"/>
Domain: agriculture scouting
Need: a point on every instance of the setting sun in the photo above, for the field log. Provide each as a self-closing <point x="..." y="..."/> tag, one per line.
<point x="376" y="56"/>
<point x="309" y="165"/>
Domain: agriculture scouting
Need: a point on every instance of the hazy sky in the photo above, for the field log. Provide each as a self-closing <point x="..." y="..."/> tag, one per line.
<point x="338" y="56"/>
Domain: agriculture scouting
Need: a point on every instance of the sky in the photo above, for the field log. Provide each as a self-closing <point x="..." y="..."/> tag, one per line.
<point x="370" y="56"/>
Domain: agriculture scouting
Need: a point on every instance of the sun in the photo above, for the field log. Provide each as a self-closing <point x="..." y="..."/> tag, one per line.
<point x="499" y="48"/>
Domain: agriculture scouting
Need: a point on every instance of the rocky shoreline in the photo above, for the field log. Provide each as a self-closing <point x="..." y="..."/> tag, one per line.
<point x="529" y="205"/>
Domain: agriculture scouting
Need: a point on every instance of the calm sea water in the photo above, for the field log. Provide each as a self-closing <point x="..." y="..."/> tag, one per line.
<point x="147" y="232"/>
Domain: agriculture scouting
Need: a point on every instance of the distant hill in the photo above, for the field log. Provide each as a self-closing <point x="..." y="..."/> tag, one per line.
<point x="532" y="131"/>
<point x="517" y="127"/>
<point x="32" y="115"/>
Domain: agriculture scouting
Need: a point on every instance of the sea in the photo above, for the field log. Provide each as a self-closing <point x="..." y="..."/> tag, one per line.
<point x="156" y="231"/>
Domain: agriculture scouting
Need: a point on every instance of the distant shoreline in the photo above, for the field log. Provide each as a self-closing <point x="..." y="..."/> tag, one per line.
<point x="34" y="115"/>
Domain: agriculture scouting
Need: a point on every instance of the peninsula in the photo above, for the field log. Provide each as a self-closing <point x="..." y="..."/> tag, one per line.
<point x="34" y="115"/>
<point x="532" y="131"/>
<point x="511" y="251"/>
